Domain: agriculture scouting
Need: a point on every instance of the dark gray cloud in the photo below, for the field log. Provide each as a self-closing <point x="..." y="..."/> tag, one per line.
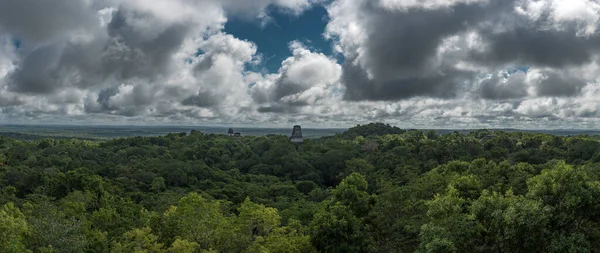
<point x="204" y="64"/>
<point x="121" y="52"/>
<point x="403" y="42"/>
<point x="533" y="46"/>
<point x="414" y="51"/>
<point x="37" y="73"/>
<point x="590" y="113"/>
<point x="559" y="84"/>
<point x="508" y="87"/>
<point x="104" y="98"/>
<point x="360" y="87"/>
<point x="6" y="101"/>
<point x="284" y="86"/>
<point x="272" y="109"/>
<point x="39" y="21"/>
<point x="398" y="60"/>
<point x="203" y="99"/>
<point x="138" y="54"/>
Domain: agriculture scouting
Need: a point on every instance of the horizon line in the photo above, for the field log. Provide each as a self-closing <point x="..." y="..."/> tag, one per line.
<point x="291" y="126"/>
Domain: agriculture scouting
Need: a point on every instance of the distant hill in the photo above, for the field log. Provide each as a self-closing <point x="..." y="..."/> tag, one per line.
<point x="371" y="129"/>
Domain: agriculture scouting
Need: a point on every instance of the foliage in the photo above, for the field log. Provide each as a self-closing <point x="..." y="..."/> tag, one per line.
<point x="13" y="229"/>
<point x="375" y="188"/>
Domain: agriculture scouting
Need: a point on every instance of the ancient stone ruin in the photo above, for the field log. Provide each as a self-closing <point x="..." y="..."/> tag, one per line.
<point x="297" y="135"/>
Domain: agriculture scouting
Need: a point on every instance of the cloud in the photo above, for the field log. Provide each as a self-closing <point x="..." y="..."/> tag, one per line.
<point x="583" y="14"/>
<point x="41" y="21"/>
<point x="128" y="58"/>
<point x="413" y="57"/>
<point x="257" y="8"/>
<point x="556" y="83"/>
<point x="305" y="78"/>
<point x="8" y="57"/>
<point x="441" y="49"/>
<point x="406" y="5"/>
<point x="427" y="63"/>
<point x="504" y="86"/>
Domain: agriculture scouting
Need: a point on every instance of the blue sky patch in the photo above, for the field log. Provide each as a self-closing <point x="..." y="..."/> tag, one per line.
<point x="517" y="69"/>
<point x="16" y="43"/>
<point x="273" y="39"/>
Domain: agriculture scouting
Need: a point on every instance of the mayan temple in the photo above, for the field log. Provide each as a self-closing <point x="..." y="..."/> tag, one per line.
<point x="297" y="135"/>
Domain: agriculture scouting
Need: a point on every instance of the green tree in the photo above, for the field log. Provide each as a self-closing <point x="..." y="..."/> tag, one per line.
<point x="13" y="229"/>
<point x="202" y="221"/>
<point x="449" y="225"/>
<point x="183" y="246"/>
<point x="158" y="184"/>
<point x="510" y="223"/>
<point x="573" y="198"/>
<point x="336" y="229"/>
<point x="340" y="226"/>
<point x="138" y="241"/>
<point x="305" y="186"/>
<point x="289" y="239"/>
<point x="257" y="220"/>
<point x="53" y="230"/>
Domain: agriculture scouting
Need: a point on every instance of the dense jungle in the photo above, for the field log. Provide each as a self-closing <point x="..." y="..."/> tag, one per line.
<point x="373" y="188"/>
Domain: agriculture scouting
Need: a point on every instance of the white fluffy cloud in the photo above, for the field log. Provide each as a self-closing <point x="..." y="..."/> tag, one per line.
<point x="424" y="4"/>
<point x="306" y="79"/>
<point x="584" y="14"/>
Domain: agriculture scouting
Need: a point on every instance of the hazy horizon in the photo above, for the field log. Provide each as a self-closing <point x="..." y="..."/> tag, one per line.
<point x="224" y="126"/>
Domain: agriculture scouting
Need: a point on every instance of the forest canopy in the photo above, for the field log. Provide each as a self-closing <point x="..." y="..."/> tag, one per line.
<point x="374" y="188"/>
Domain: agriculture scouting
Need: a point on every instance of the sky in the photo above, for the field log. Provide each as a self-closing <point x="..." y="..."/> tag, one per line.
<point x="529" y="64"/>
